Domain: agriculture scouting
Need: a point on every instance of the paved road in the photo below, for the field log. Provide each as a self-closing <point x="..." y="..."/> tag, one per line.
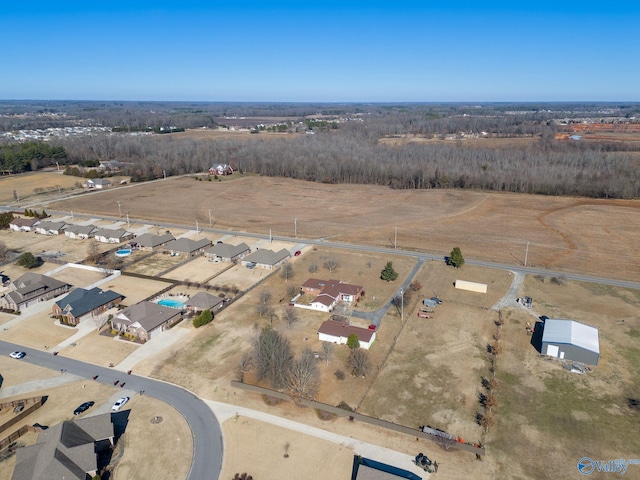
<point x="207" y="450"/>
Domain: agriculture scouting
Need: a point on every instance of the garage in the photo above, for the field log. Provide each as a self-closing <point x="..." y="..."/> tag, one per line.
<point x="571" y="340"/>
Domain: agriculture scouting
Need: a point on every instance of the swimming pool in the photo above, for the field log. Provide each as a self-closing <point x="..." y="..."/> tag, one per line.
<point x="168" y="302"/>
<point x="125" y="252"/>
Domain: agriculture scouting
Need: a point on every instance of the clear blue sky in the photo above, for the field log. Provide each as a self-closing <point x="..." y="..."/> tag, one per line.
<point x="322" y="50"/>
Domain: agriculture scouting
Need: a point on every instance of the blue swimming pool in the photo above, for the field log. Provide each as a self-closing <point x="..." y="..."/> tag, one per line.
<point x="168" y="302"/>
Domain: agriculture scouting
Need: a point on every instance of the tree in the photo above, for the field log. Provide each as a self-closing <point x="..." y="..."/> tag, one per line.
<point x="262" y="309"/>
<point x="415" y="286"/>
<point x="359" y="363"/>
<point x="327" y="351"/>
<point x="353" y="342"/>
<point x="27" y="260"/>
<point x="265" y="296"/>
<point x="205" y="317"/>
<point x="290" y="315"/>
<point x="331" y="263"/>
<point x="388" y="273"/>
<point x="292" y="289"/>
<point x="455" y="258"/>
<point x="273" y="358"/>
<point x="246" y="364"/>
<point x="286" y="271"/>
<point x="313" y="267"/>
<point x="93" y="252"/>
<point x="304" y="376"/>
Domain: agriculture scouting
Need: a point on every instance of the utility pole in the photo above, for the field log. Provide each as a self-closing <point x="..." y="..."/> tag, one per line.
<point x="395" y="239"/>
<point x="197" y="228"/>
<point x="119" y="209"/>
<point x="295" y="228"/>
<point x="402" y="305"/>
<point x="526" y="254"/>
<point x="128" y="225"/>
<point x="209" y="217"/>
<point x="270" y="237"/>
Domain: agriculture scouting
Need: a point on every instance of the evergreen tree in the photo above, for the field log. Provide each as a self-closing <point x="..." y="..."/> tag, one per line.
<point x="389" y="274"/>
<point x="456" y="258"/>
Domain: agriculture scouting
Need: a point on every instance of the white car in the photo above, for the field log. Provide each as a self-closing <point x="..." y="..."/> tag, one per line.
<point x="17" y="355"/>
<point x="118" y="405"/>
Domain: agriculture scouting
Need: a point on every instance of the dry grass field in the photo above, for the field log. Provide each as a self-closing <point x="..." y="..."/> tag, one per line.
<point x="563" y="233"/>
<point x="37" y="331"/>
<point x="28" y="185"/>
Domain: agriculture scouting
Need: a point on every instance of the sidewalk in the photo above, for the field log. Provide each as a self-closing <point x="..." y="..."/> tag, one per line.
<point x="224" y="411"/>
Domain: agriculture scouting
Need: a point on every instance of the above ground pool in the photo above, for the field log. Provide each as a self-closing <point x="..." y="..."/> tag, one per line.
<point x="125" y="252"/>
<point x="168" y="302"/>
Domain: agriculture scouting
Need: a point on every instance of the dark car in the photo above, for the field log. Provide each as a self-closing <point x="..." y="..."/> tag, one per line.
<point x="83" y="408"/>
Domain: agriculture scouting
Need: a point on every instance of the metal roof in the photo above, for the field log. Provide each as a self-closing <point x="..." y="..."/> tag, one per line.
<point x="571" y="332"/>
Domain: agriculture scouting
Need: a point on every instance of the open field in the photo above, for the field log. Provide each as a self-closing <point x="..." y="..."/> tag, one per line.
<point x="100" y="350"/>
<point x="28" y="185"/>
<point x="497" y="143"/>
<point x="37" y="331"/>
<point x="134" y="289"/>
<point x="199" y="269"/>
<point x="564" y="233"/>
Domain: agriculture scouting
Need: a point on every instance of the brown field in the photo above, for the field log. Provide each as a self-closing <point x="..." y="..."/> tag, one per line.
<point x="26" y="184"/>
<point x="135" y="289"/>
<point x="496" y="143"/>
<point x="211" y="134"/>
<point x="564" y="233"/>
<point x="37" y="331"/>
<point x="99" y="349"/>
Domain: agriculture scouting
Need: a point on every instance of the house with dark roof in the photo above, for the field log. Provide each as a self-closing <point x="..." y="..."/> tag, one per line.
<point x="186" y="246"/>
<point x="50" y="228"/>
<point x="267" y="259"/>
<point x="367" y="469"/>
<point x="30" y="289"/>
<point x="80" y="232"/>
<point x="338" y="332"/>
<point x="150" y="242"/>
<point x="328" y="293"/>
<point x="23" y="224"/>
<point x="68" y="450"/>
<point x="145" y="320"/>
<point x="81" y="304"/>
<point x="227" y="252"/>
<point x="204" y="301"/>
<point x="110" y="235"/>
<point x="570" y="340"/>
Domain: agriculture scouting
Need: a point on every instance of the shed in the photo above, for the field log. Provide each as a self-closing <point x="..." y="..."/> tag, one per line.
<point x="570" y="340"/>
<point x="471" y="286"/>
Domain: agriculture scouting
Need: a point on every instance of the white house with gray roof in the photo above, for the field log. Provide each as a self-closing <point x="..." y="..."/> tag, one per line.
<point x="145" y="320"/>
<point x="186" y="246"/>
<point x="150" y="242"/>
<point x="50" y="228"/>
<point x="228" y="252"/>
<point x="109" y="235"/>
<point x="79" y="232"/>
<point x="570" y="340"/>
<point x="265" y="258"/>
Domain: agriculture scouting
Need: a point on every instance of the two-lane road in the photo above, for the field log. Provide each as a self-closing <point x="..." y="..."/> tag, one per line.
<point x="207" y="435"/>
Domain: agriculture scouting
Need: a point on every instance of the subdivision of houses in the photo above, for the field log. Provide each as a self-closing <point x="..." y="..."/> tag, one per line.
<point x="327" y="293"/>
<point x="81" y="304"/>
<point x="186" y="246"/>
<point x="151" y="242"/>
<point x="68" y="450"/>
<point x="31" y="288"/>
<point x="338" y="332"/>
<point x="145" y="320"/>
<point x="110" y="235"/>
<point x="220" y="169"/>
<point x="80" y="232"/>
<point x="227" y="252"/>
<point x="98" y="183"/>
<point x="265" y="258"/>
<point x="50" y="228"/>
<point x="23" y="224"/>
<point x="204" y="301"/>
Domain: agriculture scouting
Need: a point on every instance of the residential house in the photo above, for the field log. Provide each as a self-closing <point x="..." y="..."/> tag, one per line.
<point x="81" y="304"/>
<point x="186" y="246"/>
<point x="32" y="288"/>
<point x="145" y="320"/>
<point x="50" y="228"/>
<point x="328" y="293"/>
<point x="228" y="252"/>
<point x="150" y="242"/>
<point x="98" y="183"/>
<point x="108" y="235"/>
<point x="110" y="165"/>
<point x="81" y="232"/>
<point x="68" y="450"/>
<point x="338" y="332"/>
<point x="570" y="340"/>
<point x="204" y="301"/>
<point x="220" y="169"/>
<point x="264" y="258"/>
<point x="23" y="224"/>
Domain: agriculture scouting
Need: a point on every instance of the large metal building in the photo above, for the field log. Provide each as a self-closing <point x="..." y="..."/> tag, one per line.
<point x="570" y="340"/>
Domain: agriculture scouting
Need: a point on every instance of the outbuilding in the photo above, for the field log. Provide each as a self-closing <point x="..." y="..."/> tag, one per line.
<point x="471" y="286"/>
<point x="570" y="340"/>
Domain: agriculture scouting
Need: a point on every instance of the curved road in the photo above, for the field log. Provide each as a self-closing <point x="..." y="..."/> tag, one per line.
<point x="207" y="450"/>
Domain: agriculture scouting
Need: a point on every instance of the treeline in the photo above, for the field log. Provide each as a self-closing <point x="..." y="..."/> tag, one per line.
<point x="349" y="156"/>
<point x="23" y="157"/>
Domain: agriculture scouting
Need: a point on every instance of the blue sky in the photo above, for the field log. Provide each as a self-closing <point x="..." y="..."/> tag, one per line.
<point x="329" y="51"/>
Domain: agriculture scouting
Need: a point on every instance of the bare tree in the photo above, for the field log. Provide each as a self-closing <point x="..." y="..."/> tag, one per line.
<point x="265" y="296"/>
<point x="358" y="362"/>
<point x="273" y="358"/>
<point x="290" y="315"/>
<point x="286" y="271"/>
<point x="313" y="267"/>
<point x="246" y="364"/>
<point x="304" y="376"/>
<point x="3" y="250"/>
<point x="327" y="351"/>
<point x="93" y="252"/>
<point x="292" y="290"/>
<point x="262" y="309"/>
<point x="331" y="263"/>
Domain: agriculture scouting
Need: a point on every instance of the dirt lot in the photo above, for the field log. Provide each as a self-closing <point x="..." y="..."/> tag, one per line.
<point x="564" y="233"/>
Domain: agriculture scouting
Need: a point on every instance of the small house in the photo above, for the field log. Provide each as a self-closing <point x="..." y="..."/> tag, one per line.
<point x="31" y="288"/>
<point x="110" y="235"/>
<point x="227" y="252"/>
<point x="186" y="246"/>
<point x="23" y="224"/>
<point x="98" y="183"/>
<point x="151" y="242"/>
<point x="267" y="259"/>
<point x="145" y="320"/>
<point x="50" y="228"/>
<point x="339" y="332"/>
<point x="81" y="304"/>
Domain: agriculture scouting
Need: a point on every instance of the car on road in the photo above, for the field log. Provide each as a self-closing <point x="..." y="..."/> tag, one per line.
<point x="17" y="355"/>
<point x="119" y="404"/>
<point x="372" y="327"/>
<point x="83" y="407"/>
<point x="297" y="254"/>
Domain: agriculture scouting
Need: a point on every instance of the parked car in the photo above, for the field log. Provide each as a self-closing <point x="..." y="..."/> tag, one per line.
<point x="119" y="404"/>
<point x="372" y="327"/>
<point x="437" y="300"/>
<point x="83" y="407"/>
<point x="297" y="254"/>
<point x="17" y="355"/>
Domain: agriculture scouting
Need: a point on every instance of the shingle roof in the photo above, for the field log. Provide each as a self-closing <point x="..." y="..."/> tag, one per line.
<point x="111" y="233"/>
<point x="48" y="225"/>
<point x="339" y="329"/>
<point x="81" y="301"/>
<point x="28" y="286"/>
<point x="187" y="245"/>
<point x="24" y="222"/>
<point x="204" y="301"/>
<point x="148" y="315"/>
<point x="267" y="257"/>
<point x="150" y="240"/>
<point x="226" y="250"/>
<point x="80" y="229"/>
